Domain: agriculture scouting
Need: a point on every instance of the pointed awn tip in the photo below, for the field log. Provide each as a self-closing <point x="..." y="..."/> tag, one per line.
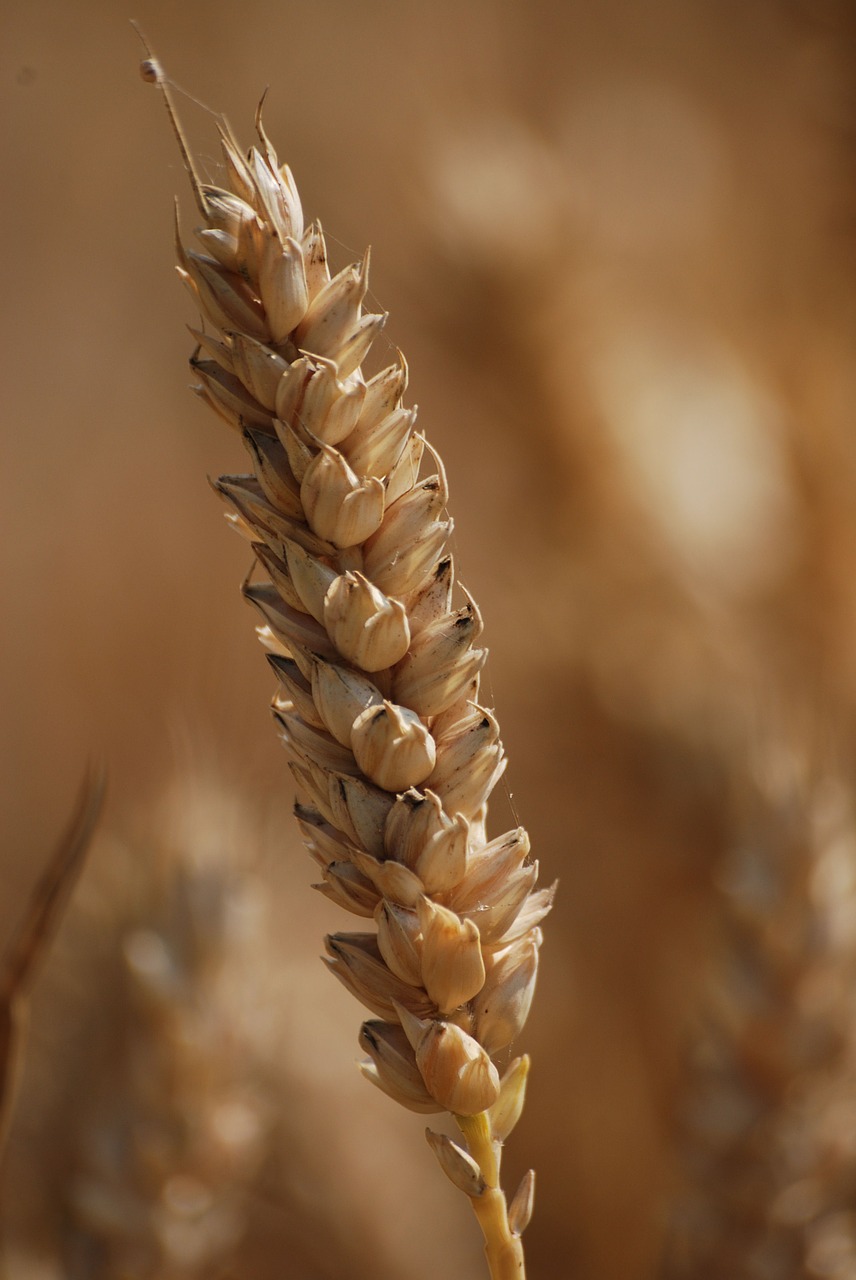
<point x="153" y="73"/>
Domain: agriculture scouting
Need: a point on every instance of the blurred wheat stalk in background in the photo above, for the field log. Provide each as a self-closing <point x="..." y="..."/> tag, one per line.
<point x="171" y="1140"/>
<point x="768" y="1138"/>
<point x="33" y="938"/>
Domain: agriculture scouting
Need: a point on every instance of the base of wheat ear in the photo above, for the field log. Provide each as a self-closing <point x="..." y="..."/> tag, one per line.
<point x="378" y="674"/>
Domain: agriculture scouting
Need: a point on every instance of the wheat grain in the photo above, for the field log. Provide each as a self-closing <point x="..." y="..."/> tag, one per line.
<point x="378" y="710"/>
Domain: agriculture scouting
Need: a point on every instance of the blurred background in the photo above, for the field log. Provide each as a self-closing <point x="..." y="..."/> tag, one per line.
<point x="617" y="243"/>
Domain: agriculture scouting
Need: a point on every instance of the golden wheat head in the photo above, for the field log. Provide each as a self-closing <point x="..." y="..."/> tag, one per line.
<point x="378" y="671"/>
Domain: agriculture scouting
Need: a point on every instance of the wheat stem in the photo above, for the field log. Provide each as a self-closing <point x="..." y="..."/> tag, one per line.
<point x="34" y="933"/>
<point x="503" y="1249"/>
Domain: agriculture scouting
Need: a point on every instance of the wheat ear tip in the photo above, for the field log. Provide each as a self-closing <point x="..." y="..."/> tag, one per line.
<point x="152" y="72"/>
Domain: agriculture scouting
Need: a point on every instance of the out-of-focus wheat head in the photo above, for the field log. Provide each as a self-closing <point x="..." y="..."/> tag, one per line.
<point x="170" y="1146"/>
<point x="378" y="669"/>
<point x="769" y="1139"/>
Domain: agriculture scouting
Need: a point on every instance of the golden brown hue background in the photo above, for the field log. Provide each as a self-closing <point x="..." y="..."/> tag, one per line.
<point x="617" y="245"/>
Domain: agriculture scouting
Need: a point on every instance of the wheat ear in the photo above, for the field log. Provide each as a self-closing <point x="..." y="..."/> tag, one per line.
<point x="378" y="671"/>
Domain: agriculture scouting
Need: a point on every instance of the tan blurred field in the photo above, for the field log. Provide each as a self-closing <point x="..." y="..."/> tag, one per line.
<point x="617" y="244"/>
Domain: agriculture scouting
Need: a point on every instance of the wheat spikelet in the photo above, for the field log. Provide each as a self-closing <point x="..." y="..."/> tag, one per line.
<point x="379" y="671"/>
